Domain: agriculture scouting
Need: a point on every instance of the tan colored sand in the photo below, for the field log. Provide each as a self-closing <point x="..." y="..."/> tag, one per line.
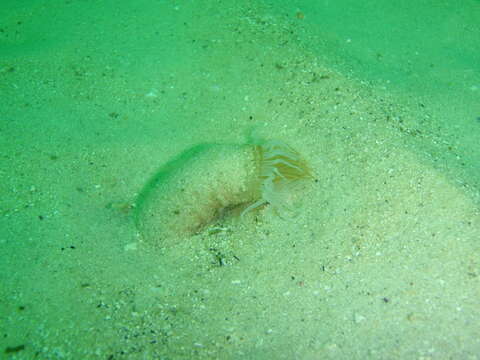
<point x="381" y="261"/>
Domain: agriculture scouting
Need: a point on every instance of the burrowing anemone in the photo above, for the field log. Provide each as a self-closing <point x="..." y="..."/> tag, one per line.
<point x="209" y="181"/>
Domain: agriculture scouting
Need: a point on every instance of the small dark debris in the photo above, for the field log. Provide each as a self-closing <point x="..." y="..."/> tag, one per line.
<point x="85" y="285"/>
<point x="40" y="217"/>
<point x="21" y="308"/>
<point x="102" y="305"/>
<point x="386" y="300"/>
<point x="176" y="212"/>
<point x="220" y="259"/>
<point x="14" y="349"/>
<point x="114" y="115"/>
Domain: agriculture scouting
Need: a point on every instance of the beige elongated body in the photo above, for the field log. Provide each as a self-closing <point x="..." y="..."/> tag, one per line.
<point x="194" y="189"/>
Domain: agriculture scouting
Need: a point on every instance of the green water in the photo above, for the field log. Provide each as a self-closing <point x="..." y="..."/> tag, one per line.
<point x="382" y="258"/>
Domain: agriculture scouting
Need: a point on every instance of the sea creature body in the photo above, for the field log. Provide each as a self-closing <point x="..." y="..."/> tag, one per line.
<point x="209" y="181"/>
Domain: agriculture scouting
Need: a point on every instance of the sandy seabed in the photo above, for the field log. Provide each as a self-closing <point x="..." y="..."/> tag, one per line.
<point x="380" y="261"/>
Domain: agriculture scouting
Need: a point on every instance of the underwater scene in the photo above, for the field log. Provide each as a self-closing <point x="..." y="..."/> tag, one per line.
<point x="258" y="179"/>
